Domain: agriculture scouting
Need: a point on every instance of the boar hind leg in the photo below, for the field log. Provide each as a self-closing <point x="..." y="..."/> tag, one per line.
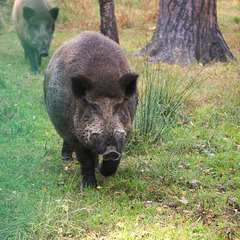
<point x="66" y="151"/>
<point x="109" y="167"/>
<point x="29" y="53"/>
<point x="87" y="160"/>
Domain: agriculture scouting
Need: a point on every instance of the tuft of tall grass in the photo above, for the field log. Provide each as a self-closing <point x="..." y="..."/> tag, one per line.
<point x="161" y="98"/>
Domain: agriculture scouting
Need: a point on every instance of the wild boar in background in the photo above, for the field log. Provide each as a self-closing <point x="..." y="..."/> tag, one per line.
<point x="91" y="97"/>
<point x="34" y="22"/>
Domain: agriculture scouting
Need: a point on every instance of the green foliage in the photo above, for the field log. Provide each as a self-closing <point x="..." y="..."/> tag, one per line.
<point x="162" y="94"/>
<point x="236" y="20"/>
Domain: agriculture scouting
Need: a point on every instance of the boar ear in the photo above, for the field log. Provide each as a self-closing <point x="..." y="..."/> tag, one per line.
<point x="54" y="13"/>
<point x="81" y="84"/>
<point x="129" y="84"/>
<point x="28" y="13"/>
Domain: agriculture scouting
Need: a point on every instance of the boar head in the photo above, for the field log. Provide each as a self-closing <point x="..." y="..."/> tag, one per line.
<point x="40" y="27"/>
<point x="104" y="115"/>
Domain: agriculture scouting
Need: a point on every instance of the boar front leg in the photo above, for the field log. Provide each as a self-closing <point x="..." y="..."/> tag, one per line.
<point x="30" y="54"/>
<point x="66" y="151"/>
<point x="39" y="60"/>
<point x="87" y="160"/>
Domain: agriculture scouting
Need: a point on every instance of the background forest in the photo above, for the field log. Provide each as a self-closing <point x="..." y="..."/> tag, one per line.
<point x="180" y="173"/>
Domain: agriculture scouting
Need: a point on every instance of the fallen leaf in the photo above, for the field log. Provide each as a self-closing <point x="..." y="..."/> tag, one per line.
<point x="120" y="224"/>
<point x="145" y="234"/>
<point x="60" y="183"/>
<point x="91" y="236"/>
<point x="65" y="207"/>
<point x="195" y="196"/>
<point x="223" y="187"/>
<point x="71" y="168"/>
<point x="195" y="183"/>
<point x="60" y="230"/>
<point x="116" y="192"/>
<point x="233" y="204"/>
<point x="152" y="28"/>
<point x="158" y="208"/>
<point x="183" y="200"/>
<point x="168" y="204"/>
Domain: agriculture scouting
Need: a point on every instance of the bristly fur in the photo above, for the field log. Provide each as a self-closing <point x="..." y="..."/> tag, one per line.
<point x="91" y="98"/>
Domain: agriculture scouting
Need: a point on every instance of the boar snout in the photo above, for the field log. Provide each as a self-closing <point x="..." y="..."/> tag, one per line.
<point x="111" y="154"/>
<point x="111" y="160"/>
<point x="43" y="53"/>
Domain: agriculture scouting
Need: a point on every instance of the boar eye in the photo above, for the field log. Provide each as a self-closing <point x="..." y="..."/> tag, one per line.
<point x="95" y="109"/>
<point x="116" y="108"/>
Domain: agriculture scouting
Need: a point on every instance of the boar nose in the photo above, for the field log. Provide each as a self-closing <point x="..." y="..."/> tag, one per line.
<point x="43" y="53"/>
<point x="111" y="154"/>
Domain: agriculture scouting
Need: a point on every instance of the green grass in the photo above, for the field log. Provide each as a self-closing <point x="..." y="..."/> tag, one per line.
<point x="162" y="93"/>
<point x="41" y="197"/>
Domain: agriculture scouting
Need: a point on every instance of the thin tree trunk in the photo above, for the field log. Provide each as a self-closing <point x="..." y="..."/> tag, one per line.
<point x="108" y="21"/>
<point x="187" y="31"/>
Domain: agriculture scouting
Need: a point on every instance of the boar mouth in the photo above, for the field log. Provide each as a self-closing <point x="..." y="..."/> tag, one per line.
<point x="111" y="154"/>
<point x="43" y="53"/>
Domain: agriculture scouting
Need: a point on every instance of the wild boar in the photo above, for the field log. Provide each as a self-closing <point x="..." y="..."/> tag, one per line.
<point x="91" y="97"/>
<point x="34" y="22"/>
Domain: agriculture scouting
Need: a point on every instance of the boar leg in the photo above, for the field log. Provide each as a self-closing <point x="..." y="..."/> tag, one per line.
<point x="97" y="162"/>
<point x="66" y="151"/>
<point x="39" y="59"/>
<point x="30" y="54"/>
<point x="87" y="160"/>
<point x="109" y="167"/>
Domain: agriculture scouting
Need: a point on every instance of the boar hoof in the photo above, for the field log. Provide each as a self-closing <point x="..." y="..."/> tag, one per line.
<point x="109" y="167"/>
<point x="66" y="156"/>
<point x="66" y="151"/>
<point x="35" y="71"/>
<point x="89" y="182"/>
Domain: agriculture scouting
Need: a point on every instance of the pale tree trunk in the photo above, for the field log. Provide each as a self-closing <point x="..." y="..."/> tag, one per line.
<point x="187" y="31"/>
<point x="108" y="21"/>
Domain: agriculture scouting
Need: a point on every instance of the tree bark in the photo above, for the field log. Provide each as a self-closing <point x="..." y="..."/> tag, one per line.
<point x="187" y="31"/>
<point x="108" y="25"/>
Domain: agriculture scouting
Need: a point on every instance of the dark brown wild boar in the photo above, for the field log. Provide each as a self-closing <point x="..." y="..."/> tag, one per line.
<point x="91" y="97"/>
<point x="34" y="22"/>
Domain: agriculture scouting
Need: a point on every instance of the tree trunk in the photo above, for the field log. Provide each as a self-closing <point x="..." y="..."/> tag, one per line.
<point x="108" y="21"/>
<point x="187" y="31"/>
